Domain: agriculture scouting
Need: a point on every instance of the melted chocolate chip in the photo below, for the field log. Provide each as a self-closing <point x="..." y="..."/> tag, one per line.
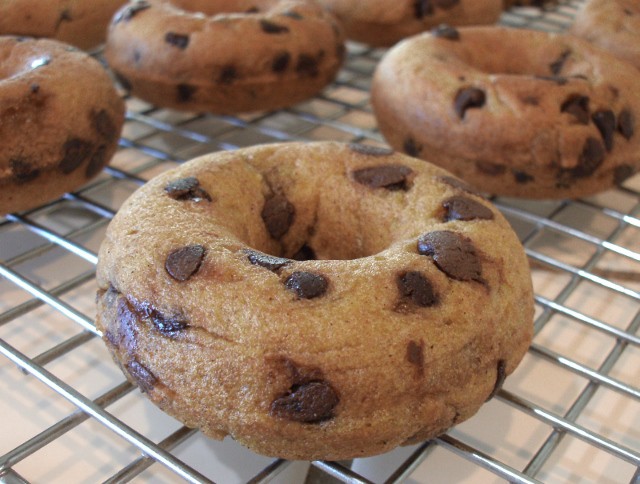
<point x="130" y="11"/>
<point x="307" y="285"/>
<point x="185" y="92"/>
<point x="186" y="189"/>
<point x="501" y="375"/>
<point x="304" y="253"/>
<point x="102" y="124"/>
<point x="453" y="254"/>
<point x="183" y="263"/>
<point x="272" y="28"/>
<point x="391" y="177"/>
<point x="491" y="169"/>
<point x="411" y="147"/>
<point x="445" y="31"/>
<point x="270" y="262"/>
<point x="556" y="66"/>
<point x="311" y="402"/>
<point x="167" y="325"/>
<point x="143" y="378"/>
<point x="465" y="209"/>
<point x="605" y="121"/>
<point x="370" y="150"/>
<point x="307" y="65"/>
<point x="626" y="124"/>
<point x="590" y="159"/>
<point x="96" y="162"/>
<point x="228" y="74"/>
<point x="578" y="106"/>
<point x="415" y="287"/>
<point x="622" y="172"/>
<point x="74" y="152"/>
<point x="280" y="62"/>
<point x="127" y="323"/>
<point x="468" y="98"/>
<point x="23" y="171"/>
<point x="422" y="8"/>
<point x="522" y="177"/>
<point x="181" y="41"/>
<point x="415" y="355"/>
<point x="278" y="215"/>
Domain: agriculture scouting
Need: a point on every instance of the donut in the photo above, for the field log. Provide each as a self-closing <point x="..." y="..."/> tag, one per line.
<point x="80" y="23"/>
<point x="613" y="25"/>
<point x="314" y="301"/>
<point x="60" y="120"/>
<point x="224" y="56"/>
<point x="513" y="112"/>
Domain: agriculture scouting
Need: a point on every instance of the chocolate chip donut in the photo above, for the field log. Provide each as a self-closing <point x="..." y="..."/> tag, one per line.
<point x="60" y="120"/>
<point x="613" y="25"/>
<point x="80" y="23"/>
<point x="514" y="112"/>
<point x="314" y="301"/>
<point x="224" y="56"/>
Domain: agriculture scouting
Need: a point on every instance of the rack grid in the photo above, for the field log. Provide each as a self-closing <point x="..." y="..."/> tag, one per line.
<point x="570" y="413"/>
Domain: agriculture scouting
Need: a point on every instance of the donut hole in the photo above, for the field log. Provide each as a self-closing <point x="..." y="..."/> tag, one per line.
<point x="218" y="7"/>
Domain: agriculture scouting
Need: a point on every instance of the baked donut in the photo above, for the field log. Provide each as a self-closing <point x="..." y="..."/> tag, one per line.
<point x="81" y="23"/>
<point x="613" y="25"/>
<point x="314" y="301"/>
<point x="60" y="120"/>
<point x="514" y="112"/>
<point x="224" y="56"/>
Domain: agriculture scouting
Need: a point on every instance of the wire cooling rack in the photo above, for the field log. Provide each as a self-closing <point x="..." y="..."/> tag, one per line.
<point x="570" y="413"/>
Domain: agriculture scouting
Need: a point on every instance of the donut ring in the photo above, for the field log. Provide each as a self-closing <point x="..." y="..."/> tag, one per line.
<point x="514" y="112"/>
<point x="61" y="118"/>
<point x="224" y="56"/>
<point x="80" y="23"/>
<point x="613" y="25"/>
<point x="365" y="342"/>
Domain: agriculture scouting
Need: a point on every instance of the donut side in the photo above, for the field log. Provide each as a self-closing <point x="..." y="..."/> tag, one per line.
<point x="328" y="318"/>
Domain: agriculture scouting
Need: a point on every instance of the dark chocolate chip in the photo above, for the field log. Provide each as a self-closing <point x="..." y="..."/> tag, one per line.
<point x="578" y="106"/>
<point x="186" y="189"/>
<point x="415" y="355"/>
<point x="184" y="262"/>
<point x="307" y="65"/>
<point x="457" y="183"/>
<point x="281" y="62"/>
<point x="370" y="150"/>
<point x="311" y="402"/>
<point x="304" y="253"/>
<point x="130" y="11"/>
<point x="411" y="147"/>
<point x="465" y="209"/>
<point x="272" y="28"/>
<point x="622" y="172"/>
<point x="391" y="177"/>
<point x="605" y="121"/>
<point x="307" y="285"/>
<point x="453" y="253"/>
<point x="104" y="125"/>
<point x="96" y="162"/>
<point x="590" y="159"/>
<point x="23" y="171"/>
<point x="181" y="41"/>
<point x="185" y="92"/>
<point x="167" y="325"/>
<point x="127" y="322"/>
<point x="74" y="152"/>
<point x="228" y="74"/>
<point x="468" y="98"/>
<point x="556" y="66"/>
<point x="445" y="31"/>
<point x="270" y="262"/>
<point x="501" y="375"/>
<point x="34" y="88"/>
<point x="490" y="168"/>
<point x="144" y="379"/>
<point x="522" y="177"/>
<point x="278" y="215"/>
<point x="414" y="286"/>
<point x="65" y="16"/>
<point x="422" y="8"/>
<point x="626" y="123"/>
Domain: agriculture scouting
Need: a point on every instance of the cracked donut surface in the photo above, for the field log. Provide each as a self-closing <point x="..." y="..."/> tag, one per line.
<point x="376" y="302"/>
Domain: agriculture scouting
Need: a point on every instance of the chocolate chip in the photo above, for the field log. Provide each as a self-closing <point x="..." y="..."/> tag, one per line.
<point x="453" y="254"/>
<point x="605" y="121"/>
<point x="102" y="124"/>
<point x="522" y="177"/>
<point x="590" y="159"/>
<point x="281" y="62"/>
<point x="457" y="183"/>
<point x="97" y="161"/>
<point x="465" y="209"/>
<point x="74" y="152"/>
<point x="34" y="88"/>
<point x="272" y="28"/>
<point x="185" y="92"/>
<point x="370" y="150"/>
<point x="622" y="172"/>
<point x="556" y="66"/>
<point x="491" y="169"/>
<point x="181" y="41"/>
<point x="311" y="402"/>
<point x="23" y="171"/>
<point x="65" y="16"/>
<point x="130" y="11"/>
<point x="411" y="147"/>
<point x="445" y="31"/>
<point x="186" y="189"/>
<point x="144" y="379"/>
<point x="468" y="98"/>
<point x="267" y="261"/>
<point x="167" y="325"/>
<point x="422" y="8"/>
<point x="501" y="375"/>
<point x="304" y="253"/>
<point x="391" y="177"/>
<point x="307" y="65"/>
<point x="184" y="262"/>
<point x="228" y="74"/>
<point x="127" y="322"/>
<point x="252" y="10"/>
<point x="414" y="286"/>
<point x="278" y="215"/>
<point x="626" y="124"/>
<point x="415" y="355"/>
<point x="307" y="285"/>
<point x="578" y="106"/>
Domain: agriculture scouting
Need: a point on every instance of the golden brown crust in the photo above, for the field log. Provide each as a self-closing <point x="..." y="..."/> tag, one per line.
<point x="613" y="25"/>
<point x="80" y="23"/>
<point x="61" y="120"/>
<point x="513" y="112"/>
<point x="386" y="336"/>
<point x="224" y="62"/>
